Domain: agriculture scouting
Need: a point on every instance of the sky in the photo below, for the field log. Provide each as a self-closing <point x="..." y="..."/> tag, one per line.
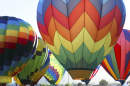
<point x="27" y="9"/>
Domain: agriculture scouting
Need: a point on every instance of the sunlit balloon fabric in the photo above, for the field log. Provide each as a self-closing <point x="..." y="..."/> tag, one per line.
<point x="18" y="43"/>
<point x="34" y="65"/>
<point x="55" y="71"/>
<point x="117" y="62"/>
<point x="41" y="72"/>
<point x="80" y="33"/>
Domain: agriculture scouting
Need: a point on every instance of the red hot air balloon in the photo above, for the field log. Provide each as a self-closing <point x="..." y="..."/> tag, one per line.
<point x="117" y="62"/>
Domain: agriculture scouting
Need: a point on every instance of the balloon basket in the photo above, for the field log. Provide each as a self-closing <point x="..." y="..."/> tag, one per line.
<point x="5" y="79"/>
<point x="80" y="74"/>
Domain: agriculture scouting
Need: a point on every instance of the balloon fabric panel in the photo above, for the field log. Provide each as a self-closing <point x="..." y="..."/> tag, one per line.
<point x="17" y="40"/>
<point x="55" y="70"/>
<point x="41" y="72"/>
<point x="34" y="65"/>
<point x="119" y="56"/>
<point x="71" y="29"/>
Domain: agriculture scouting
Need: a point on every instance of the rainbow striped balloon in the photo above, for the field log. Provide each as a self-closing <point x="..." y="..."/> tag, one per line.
<point x="55" y="71"/>
<point x="117" y="62"/>
<point x="80" y="33"/>
<point x="18" y="43"/>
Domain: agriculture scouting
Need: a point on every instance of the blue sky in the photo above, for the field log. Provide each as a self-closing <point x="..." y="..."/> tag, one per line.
<point x="26" y="10"/>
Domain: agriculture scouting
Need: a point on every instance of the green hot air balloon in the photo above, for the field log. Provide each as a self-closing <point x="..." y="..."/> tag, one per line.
<point x="41" y="72"/>
<point x="34" y="65"/>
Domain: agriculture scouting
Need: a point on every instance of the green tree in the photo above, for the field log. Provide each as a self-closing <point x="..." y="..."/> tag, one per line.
<point x="103" y="82"/>
<point x="67" y="84"/>
<point x="79" y="84"/>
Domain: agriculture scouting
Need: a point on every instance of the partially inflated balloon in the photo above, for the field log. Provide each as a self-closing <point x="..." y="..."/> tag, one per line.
<point x="55" y="71"/>
<point x="80" y="33"/>
<point x="18" y="43"/>
<point x="34" y="65"/>
<point x="117" y="62"/>
<point x="41" y="72"/>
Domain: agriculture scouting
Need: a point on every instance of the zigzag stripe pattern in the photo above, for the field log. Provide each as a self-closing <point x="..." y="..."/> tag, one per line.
<point x="35" y="63"/>
<point x="41" y="72"/>
<point x="117" y="62"/>
<point x="55" y="70"/>
<point x="80" y="33"/>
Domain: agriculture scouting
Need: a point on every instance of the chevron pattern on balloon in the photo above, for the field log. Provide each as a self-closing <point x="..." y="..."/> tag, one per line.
<point x="69" y="27"/>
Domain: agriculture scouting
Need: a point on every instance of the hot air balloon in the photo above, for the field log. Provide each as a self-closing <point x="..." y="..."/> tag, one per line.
<point x="34" y="65"/>
<point x="55" y="71"/>
<point x="92" y="75"/>
<point x="117" y="62"/>
<point x="41" y="72"/>
<point x="18" y="43"/>
<point x="80" y="33"/>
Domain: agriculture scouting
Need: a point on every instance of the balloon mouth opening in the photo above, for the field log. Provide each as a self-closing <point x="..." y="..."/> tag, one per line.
<point x="80" y="74"/>
<point x="122" y="81"/>
<point x="5" y="79"/>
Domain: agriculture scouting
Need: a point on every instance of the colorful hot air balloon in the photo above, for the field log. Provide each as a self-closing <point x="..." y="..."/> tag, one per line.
<point x="18" y="43"/>
<point x="92" y="75"/>
<point x="55" y="71"/>
<point x="41" y="72"/>
<point x="117" y="62"/>
<point x="80" y="33"/>
<point x="34" y="65"/>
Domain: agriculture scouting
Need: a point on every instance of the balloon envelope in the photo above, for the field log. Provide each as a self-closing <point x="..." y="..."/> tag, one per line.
<point x="55" y="70"/>
<point x="41" y="72"/>
<point x="18" y="43"/>
<point x="34" y="65"/>
<point x="117" y="62"/>
<point x="80" y="33"/>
